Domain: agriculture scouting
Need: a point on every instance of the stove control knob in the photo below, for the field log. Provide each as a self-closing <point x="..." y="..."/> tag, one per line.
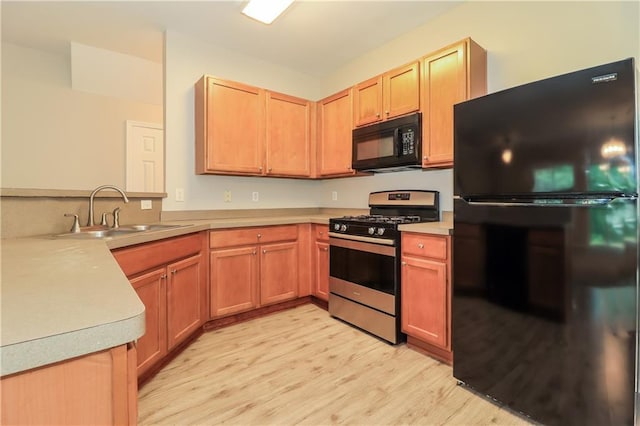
<point x="336" y="226"/>
<point x="380" y="231"/>
<point x="343" y="228"/>
<point x="372" y="230"/>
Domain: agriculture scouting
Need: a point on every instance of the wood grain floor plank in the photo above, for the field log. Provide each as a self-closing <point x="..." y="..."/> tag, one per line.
<point x="302" y="367"/>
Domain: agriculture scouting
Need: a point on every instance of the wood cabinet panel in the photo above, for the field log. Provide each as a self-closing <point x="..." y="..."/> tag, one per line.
<point x="170" y="279"/>
<point x="184" y="299"/>
<point x="321" y="232"/>
<point x="425" y="245"/>
<point x="288" y="140"/>
<point x="322" y="270"/>
<point x="424" y="300"/>
<point x="142" y="257"/>
<point x="335" y="123"/>
<point x="234" y="280"/>
<point x="151" y="289"/>
<point x="253" y="235"/>
<point x="230" y="127"/>
<point x="98" y="388"/>
<point x="449" y="76"/>
<point x="394" y="93"/>
<point x="278" y="272"/>
<point x="367" y="101"/>
<point x="401" y="93"/>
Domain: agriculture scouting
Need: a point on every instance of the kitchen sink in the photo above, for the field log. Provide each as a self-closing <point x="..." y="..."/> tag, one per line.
<point x="92" y="234"/>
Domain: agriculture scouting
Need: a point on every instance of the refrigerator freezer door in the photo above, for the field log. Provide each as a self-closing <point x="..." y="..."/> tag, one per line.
<point x="565" y="134"/>
<point x="545" y="306"/>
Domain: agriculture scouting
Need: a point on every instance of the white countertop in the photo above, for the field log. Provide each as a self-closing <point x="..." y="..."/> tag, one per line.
<point x="63" y="298"/>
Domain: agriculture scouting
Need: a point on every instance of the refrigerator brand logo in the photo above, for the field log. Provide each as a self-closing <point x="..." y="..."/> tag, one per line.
<point x="604" y="78"/>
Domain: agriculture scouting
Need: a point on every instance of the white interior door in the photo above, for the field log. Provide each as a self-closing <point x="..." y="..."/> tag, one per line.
<point x="145" y="157"/>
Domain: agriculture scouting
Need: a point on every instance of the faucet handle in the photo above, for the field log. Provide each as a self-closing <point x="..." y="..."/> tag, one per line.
<point x="76" y="224"/>
<point x="103" y="220"/>
<point x="116" y="217"/>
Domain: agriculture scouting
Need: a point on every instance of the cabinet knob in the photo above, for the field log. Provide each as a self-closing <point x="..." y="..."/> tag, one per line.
<point x="387" y="112"/>
<point x="325" y="248"/>
<point x="163" y="276"/>
<point x="254" y="253"/>
<point x="404" y="263"/>
<point x="259" y="235"/>
<point x="264" y="251"/>
<point x="269" y="169"/>
<point x="420" y="245"/>
<point x="425" y="158"/>
<point x="175" y="271"/>
<point x="260" y="168"/>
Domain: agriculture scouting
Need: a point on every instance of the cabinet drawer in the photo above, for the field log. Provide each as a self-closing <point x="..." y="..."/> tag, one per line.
<point x="143" y="257"/>
<point x="245" y="236"/>
<point x="321" y="232"/>
<point x="425" y="245"/>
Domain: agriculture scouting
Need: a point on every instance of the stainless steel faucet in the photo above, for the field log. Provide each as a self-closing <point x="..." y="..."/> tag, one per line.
<point x="90" y="221"/>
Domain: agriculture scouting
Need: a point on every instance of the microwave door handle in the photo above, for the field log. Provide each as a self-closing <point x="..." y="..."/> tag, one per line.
<point x="396" y="142"/>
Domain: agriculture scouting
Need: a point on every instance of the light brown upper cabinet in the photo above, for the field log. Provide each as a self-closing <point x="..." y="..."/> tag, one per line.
<point x="230" y="127"/>
<point x="245" y="130"/>
<point x="334" y="135"/>
<point x="288" y="144"/>
<point x="451" y="75"/>
<point x="394" y="93"/>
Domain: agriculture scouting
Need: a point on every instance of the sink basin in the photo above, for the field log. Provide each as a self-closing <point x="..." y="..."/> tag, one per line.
<point x="110" y="233"/>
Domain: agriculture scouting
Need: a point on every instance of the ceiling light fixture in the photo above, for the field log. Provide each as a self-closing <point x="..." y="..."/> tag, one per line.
<point x="266" y="11"/>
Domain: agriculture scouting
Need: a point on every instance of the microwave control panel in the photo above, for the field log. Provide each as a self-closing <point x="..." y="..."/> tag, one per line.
<point x="408" y="141"/>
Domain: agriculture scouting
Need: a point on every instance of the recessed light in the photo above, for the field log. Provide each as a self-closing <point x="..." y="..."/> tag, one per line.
<point x="266" y="10"/>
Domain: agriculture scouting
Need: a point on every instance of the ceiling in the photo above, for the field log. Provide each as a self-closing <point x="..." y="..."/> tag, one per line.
<point x="311" y="37"/>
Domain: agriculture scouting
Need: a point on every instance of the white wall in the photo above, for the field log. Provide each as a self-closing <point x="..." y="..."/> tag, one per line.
<point x="54" y="137"/>
<point x="187" y="59"/>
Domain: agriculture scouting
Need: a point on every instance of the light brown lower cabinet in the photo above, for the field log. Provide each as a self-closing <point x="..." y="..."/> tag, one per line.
<point x="99" y="389"/>
<point x="426" y="293"/>
<point x="252" y="267"/>
<point x="170" y="278"/>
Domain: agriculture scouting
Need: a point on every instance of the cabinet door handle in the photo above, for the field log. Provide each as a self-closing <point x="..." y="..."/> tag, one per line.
<point x="325" y="248"/>
<point x="259" y="235"/>
<point x="404" y="263"/>
<point x="264" y="251"/>
<point x="253" y="253"/>
<point x="420" y="245"/>
<point x="425" y="158"/>
<point x="163" y="276"/>
<point x="175" y="271"/>
<point x="270" y="169"/>
<point x="387" y="112"/>
<point x="377" y="114"/>
<point x="260" y="168"/>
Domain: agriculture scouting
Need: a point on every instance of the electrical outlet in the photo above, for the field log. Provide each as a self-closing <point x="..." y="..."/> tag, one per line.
<point x="334" y="195"/>
<point x="145" y="205"/>
<point x="227" y="196"/>
<point x="255" y="196"/>
<point x="179" y="194"/>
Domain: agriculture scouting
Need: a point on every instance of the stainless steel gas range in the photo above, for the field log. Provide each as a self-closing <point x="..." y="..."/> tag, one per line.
<point x="364" y="260"/>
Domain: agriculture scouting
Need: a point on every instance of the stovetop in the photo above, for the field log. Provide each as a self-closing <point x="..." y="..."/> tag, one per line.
<point x="378" y="218"/>
<point x="389" y="209"/>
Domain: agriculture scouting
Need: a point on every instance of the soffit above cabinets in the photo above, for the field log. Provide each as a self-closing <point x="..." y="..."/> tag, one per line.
<point x="311" y="37"/>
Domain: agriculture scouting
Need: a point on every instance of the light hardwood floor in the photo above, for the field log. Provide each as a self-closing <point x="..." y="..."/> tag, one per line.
<point x="303" y="367"/>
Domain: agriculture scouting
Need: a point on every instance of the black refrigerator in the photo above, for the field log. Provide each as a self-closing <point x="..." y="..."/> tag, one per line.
<point x="545" y="247"/>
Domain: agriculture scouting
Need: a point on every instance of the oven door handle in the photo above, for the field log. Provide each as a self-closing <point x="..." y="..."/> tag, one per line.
<point x="384" y="241"/>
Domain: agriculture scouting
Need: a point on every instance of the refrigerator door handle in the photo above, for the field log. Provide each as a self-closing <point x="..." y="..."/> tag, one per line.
<point x="546" y="202"/>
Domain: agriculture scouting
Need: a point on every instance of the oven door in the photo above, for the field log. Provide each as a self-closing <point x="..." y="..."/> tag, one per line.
<point x="365" y="272"/>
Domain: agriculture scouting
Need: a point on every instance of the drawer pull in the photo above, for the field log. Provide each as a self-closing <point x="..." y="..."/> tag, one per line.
<point x="356" y="293"/>
<point x="264" y="251"/>
<point x="259" y="235"/>
<point x="420" y="245"/>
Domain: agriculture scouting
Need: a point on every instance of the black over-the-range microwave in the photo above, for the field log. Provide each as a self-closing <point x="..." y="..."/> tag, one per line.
<point x="391" y="145"/>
